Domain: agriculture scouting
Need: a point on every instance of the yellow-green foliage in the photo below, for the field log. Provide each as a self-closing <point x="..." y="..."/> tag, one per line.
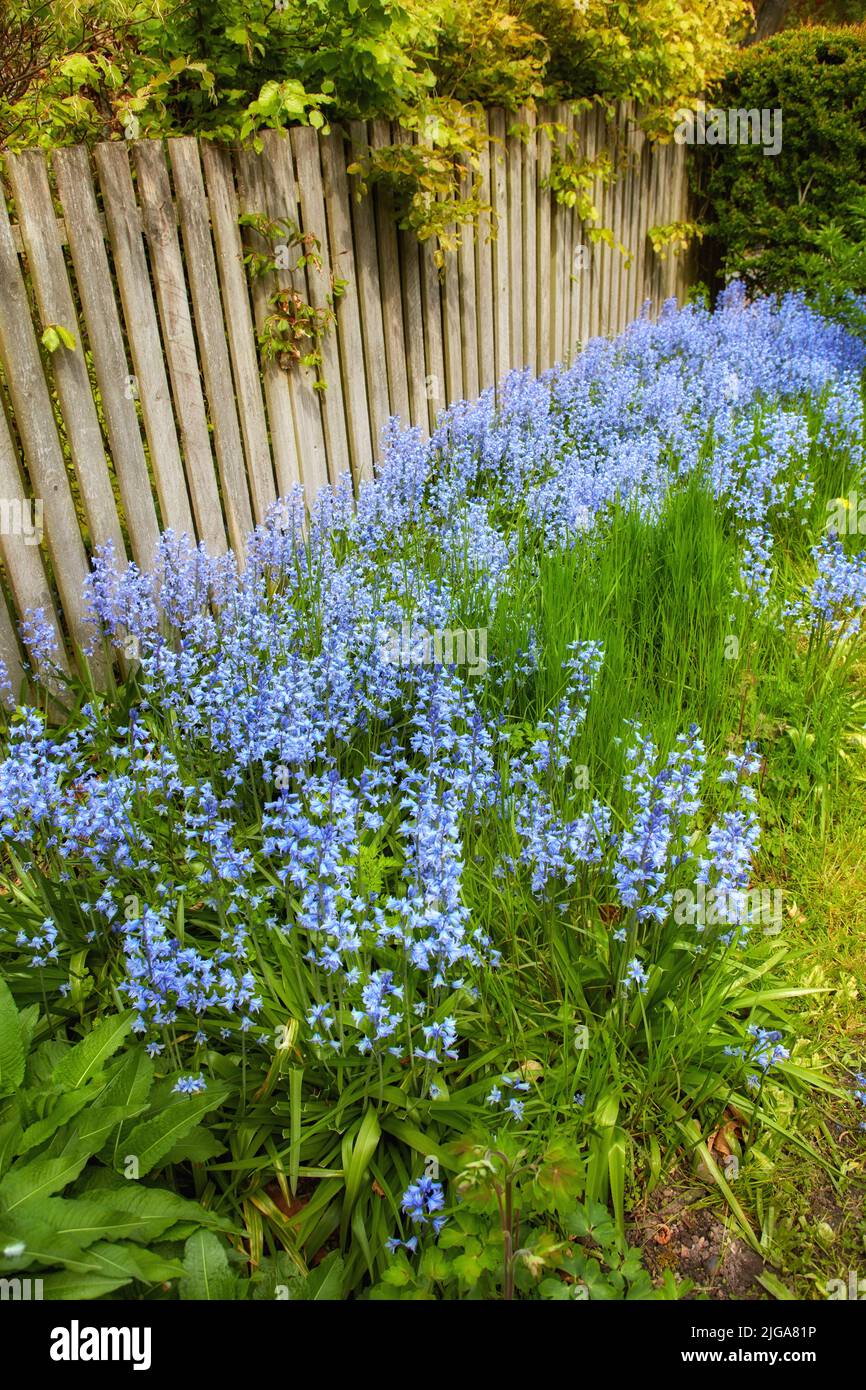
<point x="101" y="69"/>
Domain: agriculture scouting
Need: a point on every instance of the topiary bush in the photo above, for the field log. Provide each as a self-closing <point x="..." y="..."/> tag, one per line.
<point x="767" y="214"/>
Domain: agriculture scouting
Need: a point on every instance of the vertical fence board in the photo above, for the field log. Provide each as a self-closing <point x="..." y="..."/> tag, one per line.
<point x="529" y="249"/>
<point x="501" y="263"/>
<point x="468" y="307"/>
<point x="670" y="282"/>
<point x="572" y="235"/>
<point x="223" y="204"/>
<point x="484" y="270"/>
<point x="34" y="416"/>
<point x="543" y="138"/>
<point x="632" y="238"/>
<point x="603" y="253"/>
<point x="413" y="322"/>
<point x="336" y="190"/>
<point x="194" y="220"/>
<point x="558" y="217"/>
<point x="451" y="327"/>
<point x="305" y="145"/>
<point x="580" y="256"/>
<point x="253" y="199"/>
<point x="160" y="229"/>
<point x="514" y="170"/>
<point x="389" y="282"/>
<point x="281" y="202"/>
<point x="431" y="299"/>
<point x="370" y="299"/>
<point x="23" y="562"/>
<point x="142" y="332"/>
<point x="617" y="227"/>
<point x="643" y="221"/>
<point x="110" y="364"/>
<point x="29" y="179"/>
<point x="10" y="651"/>
<point x="685" y="262"/>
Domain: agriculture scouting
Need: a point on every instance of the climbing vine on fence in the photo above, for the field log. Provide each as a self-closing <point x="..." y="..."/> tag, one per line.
<point x="293" y="329"/>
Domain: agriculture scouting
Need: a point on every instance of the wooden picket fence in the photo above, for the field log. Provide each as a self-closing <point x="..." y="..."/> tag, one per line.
<point x="163" y="415"/>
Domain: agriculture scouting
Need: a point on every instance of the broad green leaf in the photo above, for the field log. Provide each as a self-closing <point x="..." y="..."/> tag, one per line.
<point x="196" y="1147"/>
<point x="325" y="1282"/>
<point x="11" y="1047"/>
<point x="146" y="1265"/>
<point x="66" y="1107"/>
<point x="154" y="1138"/>
<point x="88" y="1057"/>
<point x="153" y="1207"/>
<point x="94" y="1127"/>
<point x="279" y="1269"/>
<point x="130" y="1084"/>
<point x="70" y="1285"/>
<point x="206" y="1270"/>
<point x="27" y="1182"/>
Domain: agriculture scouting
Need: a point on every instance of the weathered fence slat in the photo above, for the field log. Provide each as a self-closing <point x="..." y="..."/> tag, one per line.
<point x="29" y="179"/>
<point x="10" y="652"/>
<point x="222" y="200"/>
<point x="389" y="281"/>
<point x="451" y="320"/>
<point x="142" y="331"/>
<point x="431" y="300"/>
<point x="34" y="417"/>
<point x="501" y="255"/>
<point x="579" y="269"/>
<point x="543" y="233"/>
<point x="559" y="221"/>
<point x="370" y="299"/>
<point x="336" y="190"/>
<point x="213" y="344"/>
<point x="166" y="261"/>
<point x="253" y="200"/>
<point x="111" y="367"/>
<point x="514" y="176"/>
<point x="22" y="560"/>
<point x="484" y="273"/>
<point x="413" y="322"/>
<point x="570" y="240"/>
<point x="281" y="203"/>
<point x="530" y="245"/>
<point x="305" y="144"/>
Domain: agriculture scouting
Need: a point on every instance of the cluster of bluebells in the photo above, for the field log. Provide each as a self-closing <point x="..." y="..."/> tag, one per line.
<point x="513" y="1104"/>
<point x="423" y="1202"/>
<point x="860" y="1092"/>
<point x="763" y="1050"/>
<point x="278" y="783"/>
<point x="836" y="599"/>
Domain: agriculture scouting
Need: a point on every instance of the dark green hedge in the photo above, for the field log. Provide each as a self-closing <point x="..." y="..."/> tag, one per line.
<point x="762" y="212"/>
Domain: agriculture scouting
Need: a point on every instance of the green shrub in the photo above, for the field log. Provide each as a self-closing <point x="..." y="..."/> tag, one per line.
<point x="767" y="214"/>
